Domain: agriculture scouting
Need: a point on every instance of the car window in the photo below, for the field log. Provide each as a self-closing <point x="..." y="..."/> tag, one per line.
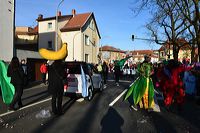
<point x="75" y="68"/>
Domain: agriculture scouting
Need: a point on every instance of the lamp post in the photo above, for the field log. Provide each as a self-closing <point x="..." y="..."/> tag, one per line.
<point x="56" y="26"/>
<point x="73" y="42"/>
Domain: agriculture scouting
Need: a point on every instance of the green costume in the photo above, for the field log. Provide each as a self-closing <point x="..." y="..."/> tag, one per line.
<point x="7" y="88"/>
<point x="142" y="89"/>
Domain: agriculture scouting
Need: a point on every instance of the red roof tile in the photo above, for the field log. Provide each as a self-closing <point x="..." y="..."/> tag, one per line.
<point x="76" y="22"/>
<point x="110" y="48"/>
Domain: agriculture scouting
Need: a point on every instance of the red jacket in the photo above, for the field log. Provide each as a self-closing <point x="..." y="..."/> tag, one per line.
<point x="43" y="68"/>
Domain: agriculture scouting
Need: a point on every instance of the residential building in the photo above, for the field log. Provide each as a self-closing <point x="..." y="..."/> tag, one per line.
<point x="7" y="12"/>
<point x="79" y="31"/>
<point x="26" y="44"/>
<point x="166" y="51"/>
<point x="109" y="53"/>
<point x="138" y="55"/>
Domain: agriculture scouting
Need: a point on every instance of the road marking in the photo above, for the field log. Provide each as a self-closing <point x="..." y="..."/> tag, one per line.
<point x="116" y="99"/>
<point x="126" y="81"/>
<point x="10" y="112"/>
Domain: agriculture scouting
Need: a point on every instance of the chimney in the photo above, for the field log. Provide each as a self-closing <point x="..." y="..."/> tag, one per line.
<point x="59" y="13"/>
<point x="73" y="12"/>
<point x="40" y="17"/>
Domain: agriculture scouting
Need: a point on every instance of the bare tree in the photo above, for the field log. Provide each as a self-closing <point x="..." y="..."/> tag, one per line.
<point x="190" y="11"/>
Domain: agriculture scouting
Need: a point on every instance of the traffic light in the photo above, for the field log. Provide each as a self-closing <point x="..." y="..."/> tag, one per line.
<point x="132" y="37"/>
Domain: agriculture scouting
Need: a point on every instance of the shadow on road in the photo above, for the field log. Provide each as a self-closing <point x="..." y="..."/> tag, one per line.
<point x="54" y="119"/>
<point x="112" y="122"/>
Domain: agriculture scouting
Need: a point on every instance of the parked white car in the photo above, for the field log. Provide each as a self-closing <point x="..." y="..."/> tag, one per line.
<point x="75" y="81"/>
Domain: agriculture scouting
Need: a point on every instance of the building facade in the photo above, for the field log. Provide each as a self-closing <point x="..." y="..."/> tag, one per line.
<point x="79" y="31"/>
<point x="7" y="13"/>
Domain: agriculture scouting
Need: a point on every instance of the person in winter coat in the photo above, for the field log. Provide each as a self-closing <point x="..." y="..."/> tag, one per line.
<point x="15" y="71"/>
<point x="105" y="72"/>
<point x="56" y="74"/>
<point x="44" y="70"/>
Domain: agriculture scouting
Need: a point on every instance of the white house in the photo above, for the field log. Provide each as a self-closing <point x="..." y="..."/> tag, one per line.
<point x="7" y="12"/>
<point x="79" y="31"/>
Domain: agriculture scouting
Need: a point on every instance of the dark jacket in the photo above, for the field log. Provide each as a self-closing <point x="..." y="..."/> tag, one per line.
<point x="17" y="75"/>
<point x="56" y="74"/>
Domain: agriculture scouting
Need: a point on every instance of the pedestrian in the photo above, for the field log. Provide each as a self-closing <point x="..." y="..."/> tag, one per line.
<point x="117" y="73"/>
<point x="24" y="66"/>
<point x="57" y="75"/>
<point x="44" y="70"/>
<point x="142" y="89"/>
<point x="171" y="83"/>
<point x="15" y="71"/>
<point x="105" y="72"/>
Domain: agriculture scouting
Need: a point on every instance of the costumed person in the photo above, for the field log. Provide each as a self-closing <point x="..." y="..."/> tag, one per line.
<point x="56" y="75"/>
<point x="190" y="83"/>
<point x="142" y="89"/>
<point x="7" y="89"/>
<point x="117" y="73"/>
<point x="171" y="83"/>
<point x="15" y="71"/>
<point x="43" y="70"/>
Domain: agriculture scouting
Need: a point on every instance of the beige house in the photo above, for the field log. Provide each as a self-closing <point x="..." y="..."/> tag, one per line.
<point x="138" y="55"/>
<point x="166" y="51"/>
<point x="109" y="54"/>
<point x="79" y="31"/>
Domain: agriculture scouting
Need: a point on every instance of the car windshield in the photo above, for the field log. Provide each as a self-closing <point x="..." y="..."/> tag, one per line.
<point x="75" y="68"/>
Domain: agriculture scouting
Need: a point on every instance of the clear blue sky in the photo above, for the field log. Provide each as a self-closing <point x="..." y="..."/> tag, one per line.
<point x="115" y="19"/>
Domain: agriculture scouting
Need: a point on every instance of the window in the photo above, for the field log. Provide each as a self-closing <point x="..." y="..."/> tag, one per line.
<point x="92" y="25"/>
<point x="87" y="40"/>
<point x="50" y="25"/>
<point x="49" y="44"/>
<point x="86" y="58"/>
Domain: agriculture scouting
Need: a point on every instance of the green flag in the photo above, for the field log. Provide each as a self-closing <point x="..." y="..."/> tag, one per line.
<point x="7" y="88"/>
<point x="122" y="61"/>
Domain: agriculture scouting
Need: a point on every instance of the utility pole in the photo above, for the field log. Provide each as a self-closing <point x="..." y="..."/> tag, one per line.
<point x="56" y="26"/>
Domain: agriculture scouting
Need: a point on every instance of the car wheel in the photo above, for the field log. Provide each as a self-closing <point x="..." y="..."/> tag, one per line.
<point x="90" y="94"/>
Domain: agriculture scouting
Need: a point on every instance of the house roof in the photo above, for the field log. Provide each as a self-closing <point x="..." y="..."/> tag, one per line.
<point x="142" y="52"/>
<point x="181" y="41"/>
<point x="76" y="21"/>
<point x="110" y="48"/>
<point x="26" y="30"/>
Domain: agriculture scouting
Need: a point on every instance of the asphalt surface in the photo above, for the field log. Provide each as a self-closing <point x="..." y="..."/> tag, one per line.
<point x="96" y="116"/>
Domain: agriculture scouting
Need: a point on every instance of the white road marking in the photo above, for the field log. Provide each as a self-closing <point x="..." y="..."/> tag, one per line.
<point x="80" y="100"/>
<point x="156" y="108"/>
<point x="10" y="112"/>
<point x="116" y="99"/>
<point x="126" y="81"/>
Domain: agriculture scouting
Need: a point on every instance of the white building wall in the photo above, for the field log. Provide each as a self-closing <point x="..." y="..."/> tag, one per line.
<point x="74" y="45"/>
<point x="6" y="29"/>
<point x="46" y="34"/>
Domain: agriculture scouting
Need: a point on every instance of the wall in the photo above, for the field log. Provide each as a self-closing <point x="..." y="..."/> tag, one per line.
<point x="6" y="29"/>
<point x="93" y="48"/>
<point x="74" y="45"/>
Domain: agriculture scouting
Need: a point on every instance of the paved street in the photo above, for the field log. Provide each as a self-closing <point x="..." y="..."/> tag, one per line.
<point x="96" y="116"/>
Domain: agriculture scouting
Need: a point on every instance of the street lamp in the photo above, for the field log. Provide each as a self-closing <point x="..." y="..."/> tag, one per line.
<point x="73" y="42"/>
<point x="56" y="26"/>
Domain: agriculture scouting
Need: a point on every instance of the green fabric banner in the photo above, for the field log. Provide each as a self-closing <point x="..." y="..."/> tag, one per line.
<point x="7" y="88"/>
<point x="121" y="62"/>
